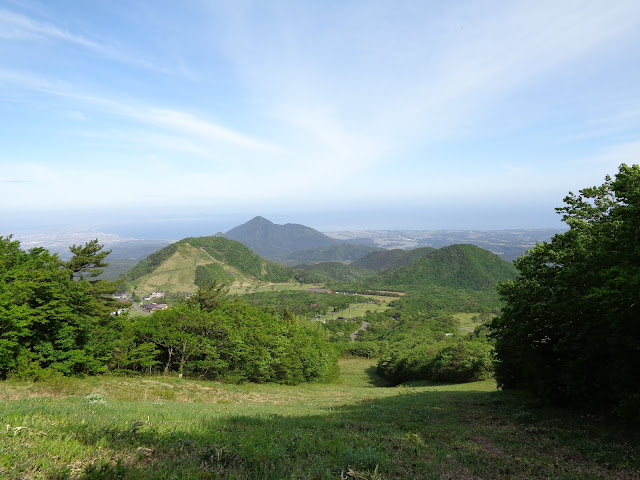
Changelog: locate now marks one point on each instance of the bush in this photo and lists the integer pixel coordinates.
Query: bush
(364, 349)
(464, 362)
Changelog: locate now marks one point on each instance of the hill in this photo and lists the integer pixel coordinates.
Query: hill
(464, 267)
(276, 242)
(183, 265)
(390, 259)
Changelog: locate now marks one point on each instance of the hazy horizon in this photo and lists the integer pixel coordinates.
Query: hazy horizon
(174, 227)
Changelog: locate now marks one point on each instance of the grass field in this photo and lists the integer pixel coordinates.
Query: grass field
(169, 428)
(467, 323)
(360, 309)
(177, 273)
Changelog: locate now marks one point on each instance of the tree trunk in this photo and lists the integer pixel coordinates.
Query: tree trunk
(183, 359)
(170, 352)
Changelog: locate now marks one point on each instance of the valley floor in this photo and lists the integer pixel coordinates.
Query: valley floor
(165, 427)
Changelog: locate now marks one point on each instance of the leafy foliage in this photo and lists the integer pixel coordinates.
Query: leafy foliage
(212, 272)
(569, 331)
(454, 266)
(48, 320)
(390, 259)
(466, 361)
(228, 339)
(87, 260)
(52, 324)
(459, 362)
(301, 302)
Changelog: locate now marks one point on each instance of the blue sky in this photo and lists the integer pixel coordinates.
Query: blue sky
(354, 114)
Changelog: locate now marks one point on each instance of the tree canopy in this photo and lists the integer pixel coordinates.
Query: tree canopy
(48, 320)
(55, 321)
(570, 327)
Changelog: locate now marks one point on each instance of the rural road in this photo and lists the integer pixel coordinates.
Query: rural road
(364, 326)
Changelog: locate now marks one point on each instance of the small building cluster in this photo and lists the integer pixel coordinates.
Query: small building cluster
(153, 295)
(121, 297)
(152, 307)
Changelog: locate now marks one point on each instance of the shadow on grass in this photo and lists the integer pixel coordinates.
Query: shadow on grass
(375, 379)
(418, 435)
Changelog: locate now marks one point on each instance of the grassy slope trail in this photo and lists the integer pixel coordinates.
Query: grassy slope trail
(163, 428)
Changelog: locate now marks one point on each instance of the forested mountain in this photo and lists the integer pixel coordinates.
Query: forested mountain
(194, 261)
(273, 241)
(389, 259)
(332, 253)
(455, 266)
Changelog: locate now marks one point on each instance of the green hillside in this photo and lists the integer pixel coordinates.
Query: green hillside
(462, 267)
(277, 241)
(182, 266)
(389, 259)
(332, 253)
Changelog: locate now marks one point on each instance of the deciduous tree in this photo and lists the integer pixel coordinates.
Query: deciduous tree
(570, 327)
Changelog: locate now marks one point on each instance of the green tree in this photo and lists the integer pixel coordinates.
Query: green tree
(48, 321)
(209, 295)
(182, 331)
(87, 260)
(570, 327)
(217, 337)
(466, 361)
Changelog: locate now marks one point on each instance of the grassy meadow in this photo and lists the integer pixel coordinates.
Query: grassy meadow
(170, 428)
(468, 321)
(359, 310)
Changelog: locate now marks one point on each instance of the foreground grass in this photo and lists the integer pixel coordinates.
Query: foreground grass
(167, 428)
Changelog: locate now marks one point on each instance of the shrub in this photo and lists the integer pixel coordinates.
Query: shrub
(464, 362)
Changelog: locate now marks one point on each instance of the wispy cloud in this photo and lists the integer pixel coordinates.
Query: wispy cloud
(352, 102)
(14, 26)
(395, 75)
(188, 122)
(17, 27)
(150, 115)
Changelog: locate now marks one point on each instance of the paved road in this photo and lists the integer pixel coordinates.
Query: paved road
(137, 307)
(364, 326)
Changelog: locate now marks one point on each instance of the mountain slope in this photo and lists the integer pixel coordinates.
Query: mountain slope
(335, 271)
(389, 259)
(274, 241)
(183, 265)
(464, 267)
(332, 253)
